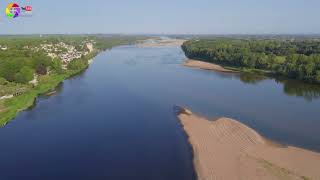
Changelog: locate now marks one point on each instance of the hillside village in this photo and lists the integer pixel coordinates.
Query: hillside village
(65, 52)
(62, 51)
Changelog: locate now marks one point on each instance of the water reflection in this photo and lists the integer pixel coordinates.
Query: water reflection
(294, 88)
(290, 87)
(250, 78)
(247, 78)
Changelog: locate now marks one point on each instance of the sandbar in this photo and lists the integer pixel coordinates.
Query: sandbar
(224, 148)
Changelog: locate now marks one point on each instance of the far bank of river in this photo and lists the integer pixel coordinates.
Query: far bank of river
(291, 87)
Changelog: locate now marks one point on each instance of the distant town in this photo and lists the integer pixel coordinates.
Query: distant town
(65, 52)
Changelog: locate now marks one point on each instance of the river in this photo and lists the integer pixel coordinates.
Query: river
(116, 120)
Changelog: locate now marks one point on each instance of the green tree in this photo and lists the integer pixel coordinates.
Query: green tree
(78, 64)
(57, 66)
(24, 75)
(295, 59)
(318, 76)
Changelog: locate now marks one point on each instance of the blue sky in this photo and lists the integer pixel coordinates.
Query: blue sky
(165, 16)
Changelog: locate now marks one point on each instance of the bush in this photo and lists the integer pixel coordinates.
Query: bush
(3, 81)
(41, 69)
(318, 76)
(78, 64)
(57, 66)
(24, 75)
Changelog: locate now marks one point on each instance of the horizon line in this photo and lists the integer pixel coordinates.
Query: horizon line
(190, 34)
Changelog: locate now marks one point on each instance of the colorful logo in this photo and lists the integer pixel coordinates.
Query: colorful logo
(27, 8)
(26, 11)
(13, 10)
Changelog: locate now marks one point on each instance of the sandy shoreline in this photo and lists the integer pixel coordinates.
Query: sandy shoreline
(158, 42)
(207, 66)
(227, 149)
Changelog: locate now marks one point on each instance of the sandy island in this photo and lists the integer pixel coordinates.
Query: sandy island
(158, 42)
(207, 66)
(227, 149)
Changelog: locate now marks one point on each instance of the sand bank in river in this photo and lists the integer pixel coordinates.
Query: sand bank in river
(205, 65)
(158, 42)
(227, 149)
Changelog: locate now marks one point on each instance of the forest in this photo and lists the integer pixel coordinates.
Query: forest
(296, 59)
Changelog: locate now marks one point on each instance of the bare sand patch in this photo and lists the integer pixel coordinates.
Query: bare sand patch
(158, 42)
(227, 149)
(206, 66)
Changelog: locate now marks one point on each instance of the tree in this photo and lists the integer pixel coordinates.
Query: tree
(41, 58)
(78, 64)
(318, 76)
(57, 66)
(41, 69)
(294, 59)
(24, 75)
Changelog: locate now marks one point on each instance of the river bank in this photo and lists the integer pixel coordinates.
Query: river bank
(201, 64)
(10, 107)
(227, 149)
(207, 66)
(259, 56)
(20, 103)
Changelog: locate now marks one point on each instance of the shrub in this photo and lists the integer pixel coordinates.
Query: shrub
(3, 81)
(24, 75)
(41, 69)
(318, 76)
(57, 66)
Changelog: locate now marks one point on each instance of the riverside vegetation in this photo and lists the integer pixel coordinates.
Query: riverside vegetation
(296, 59)
(30, 65)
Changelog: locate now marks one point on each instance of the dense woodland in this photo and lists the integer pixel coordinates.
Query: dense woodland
(17, 66)
(297, 59)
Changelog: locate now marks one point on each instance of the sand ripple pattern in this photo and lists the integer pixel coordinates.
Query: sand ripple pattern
(227, 149)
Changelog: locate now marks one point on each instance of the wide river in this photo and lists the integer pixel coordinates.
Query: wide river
(116, 120)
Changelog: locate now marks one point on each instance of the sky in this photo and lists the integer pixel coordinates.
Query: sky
(165, 17)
